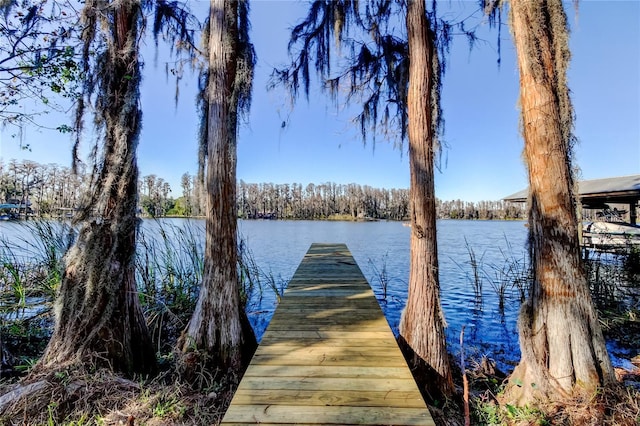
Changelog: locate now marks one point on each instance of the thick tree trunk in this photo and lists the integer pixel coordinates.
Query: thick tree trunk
(422, 324)
(98, 315)
(563, 350)
(219, 328)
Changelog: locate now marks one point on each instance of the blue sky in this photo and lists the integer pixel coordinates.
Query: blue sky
(482, 155)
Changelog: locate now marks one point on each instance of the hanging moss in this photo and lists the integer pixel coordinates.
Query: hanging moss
(376, 74)
(98, 316)
(242, 89)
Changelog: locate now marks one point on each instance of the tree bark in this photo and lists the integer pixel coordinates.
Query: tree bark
(98, 315)
(422, 323)
(219, 328)
(563, 350)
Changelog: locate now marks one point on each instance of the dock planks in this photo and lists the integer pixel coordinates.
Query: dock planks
(328, 356)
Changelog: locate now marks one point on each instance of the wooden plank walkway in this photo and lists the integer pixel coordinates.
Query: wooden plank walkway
(328, 355)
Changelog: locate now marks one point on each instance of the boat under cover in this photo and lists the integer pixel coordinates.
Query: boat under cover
(610, 235)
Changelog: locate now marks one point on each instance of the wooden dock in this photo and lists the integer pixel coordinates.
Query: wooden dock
(328, 355)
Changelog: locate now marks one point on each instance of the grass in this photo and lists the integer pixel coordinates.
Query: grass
(616, 405)
(169, 264)
(476, 274)
(255, 280)
(381, 276)
(509, 279)
(495, 414)
(31, 268)
(614, 279)
(515, 272)
(102, 398)
(31, 264)
(614, 282)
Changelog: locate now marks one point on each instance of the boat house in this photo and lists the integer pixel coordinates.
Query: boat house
(599, 194)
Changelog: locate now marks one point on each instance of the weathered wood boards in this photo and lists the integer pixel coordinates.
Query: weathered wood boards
(328, 355)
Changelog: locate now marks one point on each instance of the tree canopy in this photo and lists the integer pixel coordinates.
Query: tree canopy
(39, 72)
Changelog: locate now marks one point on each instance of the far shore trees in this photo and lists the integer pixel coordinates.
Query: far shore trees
(563, 350)
(54, 192)
(219, 333)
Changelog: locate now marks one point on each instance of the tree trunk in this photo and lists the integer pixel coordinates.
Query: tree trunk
(219, 328)
(422, 323)
(98, 315)
(563, 350)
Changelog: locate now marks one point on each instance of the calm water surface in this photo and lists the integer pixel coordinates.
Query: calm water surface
(381, 249)
(279, 246)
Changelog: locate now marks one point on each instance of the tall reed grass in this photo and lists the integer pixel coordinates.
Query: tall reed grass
(169, 264)
(32, 264)
(169, 268)
(614, 278)
(31, 268)
(381, 275)
(508, 279)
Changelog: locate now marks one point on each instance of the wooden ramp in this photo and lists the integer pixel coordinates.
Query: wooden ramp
(328, 355)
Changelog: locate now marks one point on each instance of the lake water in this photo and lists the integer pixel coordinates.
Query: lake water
(381, 249)
(279, 246)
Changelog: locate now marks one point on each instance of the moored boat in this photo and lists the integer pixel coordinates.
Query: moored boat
(610, 235)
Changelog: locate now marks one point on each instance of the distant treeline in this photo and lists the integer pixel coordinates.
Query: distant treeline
(353, 201)
(52, 190)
